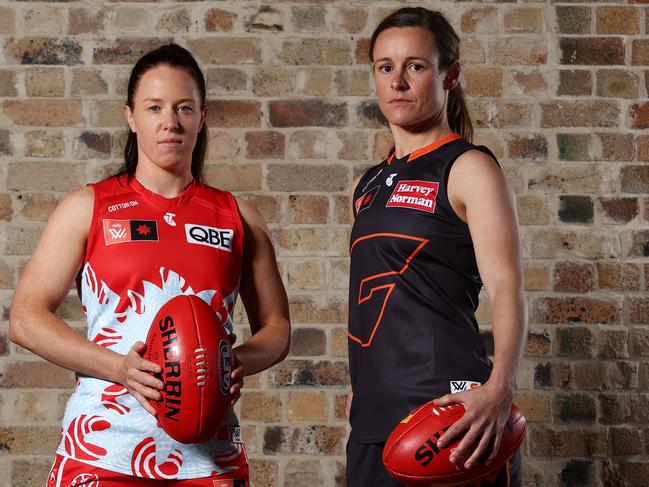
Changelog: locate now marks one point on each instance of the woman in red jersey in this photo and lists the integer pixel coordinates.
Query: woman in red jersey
(431, 224)
(134, 241)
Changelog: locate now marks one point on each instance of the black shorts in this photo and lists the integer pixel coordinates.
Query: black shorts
(365, 469)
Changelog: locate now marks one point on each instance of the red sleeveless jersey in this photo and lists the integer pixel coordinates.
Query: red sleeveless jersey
(142, 250)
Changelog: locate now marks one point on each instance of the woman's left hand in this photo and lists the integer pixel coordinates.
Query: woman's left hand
(487, 409)
(236, 376)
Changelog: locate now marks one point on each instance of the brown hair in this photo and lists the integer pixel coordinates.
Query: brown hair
(178, 57)
(447, 43)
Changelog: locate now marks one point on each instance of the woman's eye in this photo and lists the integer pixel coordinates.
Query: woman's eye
(154, 108)
(385, 68)
(416, 67)
(185, 109)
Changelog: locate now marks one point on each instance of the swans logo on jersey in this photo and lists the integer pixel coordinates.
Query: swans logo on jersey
(169, 218)
(463, 385)
(418, 195)
(219, 238)
(121, 231)
(365, 200)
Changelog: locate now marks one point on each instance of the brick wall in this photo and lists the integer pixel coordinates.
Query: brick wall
(557, 89)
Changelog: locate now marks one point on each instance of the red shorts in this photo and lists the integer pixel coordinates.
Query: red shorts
(67, 472)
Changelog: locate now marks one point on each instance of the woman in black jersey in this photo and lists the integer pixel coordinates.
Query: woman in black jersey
(432, 224)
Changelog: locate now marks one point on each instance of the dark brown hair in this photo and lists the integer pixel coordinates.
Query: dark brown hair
(447, 44)
(178, 57)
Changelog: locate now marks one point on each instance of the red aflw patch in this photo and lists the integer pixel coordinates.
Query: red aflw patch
(120, 231)
(418, 195)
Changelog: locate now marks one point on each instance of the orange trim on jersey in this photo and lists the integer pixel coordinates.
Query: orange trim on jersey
(429, 148)
(508, 473)
(389, 287)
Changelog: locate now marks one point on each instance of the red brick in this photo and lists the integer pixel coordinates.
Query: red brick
(341, 209)
(592, 50)
(528, 147)
(524, 19)
(352, 82)
(573, 19)
(471, 51)
(314, 82)
(263, 473)
(261, 406)
(303, 373)
(528, 83)
(88, 82)
(614, 408)
(308, 209)
(638, 310)
(519, 50)
(588, 244)
(483, 81)
(537, 276)
(618, 276)
(619, 210)
(511, 115)
(126, 50)
(218, 20)
(308, 342)
(309, 18)
(551, 441)
(574, 83)
(226, 81)
(264, 145)
(616, 147)
(308, 144)
(266, 19)
(107, 113)
(639, 54)
(383, 145)
(234, 177)
(533, 210)
(353, 146)
(86, 21)
(566, 179)
(361, 53)
(351, 20)
(539, 343)
(615, 83)
(44, 50)
(233, 113)
(315, 52)
(617, 20)
(482, 20)
(304, 113)
(302, 177)
(270, 206)
(176, 20)
(574, 277)
(613, 344)
(577, 310)
(37, 206)
(44, 144)
(35, 375)
(273, 81)
(226, 50)
(635, 179)
(587, 113)
(640, 114)
(7, 20)
(636, 243)
(640, 342)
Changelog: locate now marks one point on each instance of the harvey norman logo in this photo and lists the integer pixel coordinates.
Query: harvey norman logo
(418, 195)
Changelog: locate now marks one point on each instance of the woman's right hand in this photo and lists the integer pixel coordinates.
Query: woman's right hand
(136, 375)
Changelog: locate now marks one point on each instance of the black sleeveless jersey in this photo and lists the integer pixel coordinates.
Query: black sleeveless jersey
(414, 286)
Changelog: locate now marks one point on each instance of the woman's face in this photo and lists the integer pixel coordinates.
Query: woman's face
(411, 89)
(167, 117)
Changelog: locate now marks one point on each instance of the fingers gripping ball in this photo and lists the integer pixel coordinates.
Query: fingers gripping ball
(412, 456)
(188, 341)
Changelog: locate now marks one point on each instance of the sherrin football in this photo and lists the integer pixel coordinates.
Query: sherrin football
(412, 456)
(188, 341)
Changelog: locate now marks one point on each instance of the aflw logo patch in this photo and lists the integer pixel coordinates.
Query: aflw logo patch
(365, 200)
(418, 195)
(120, 231)
(463, 385)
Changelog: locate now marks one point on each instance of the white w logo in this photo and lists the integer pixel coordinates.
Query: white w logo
(117, 232)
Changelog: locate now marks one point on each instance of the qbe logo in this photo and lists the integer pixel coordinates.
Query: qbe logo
(218, 238)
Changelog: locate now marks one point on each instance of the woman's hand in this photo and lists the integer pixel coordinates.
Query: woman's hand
(236, 376)
(136, 375)
(487, 409)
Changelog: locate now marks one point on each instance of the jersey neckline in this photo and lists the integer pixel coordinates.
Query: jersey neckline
(187, 193)
(426, 149)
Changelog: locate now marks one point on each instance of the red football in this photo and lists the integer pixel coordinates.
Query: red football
(188, 341)
(411, 454)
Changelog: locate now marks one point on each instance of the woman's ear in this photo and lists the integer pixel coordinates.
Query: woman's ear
(128, 115)
(452, 76)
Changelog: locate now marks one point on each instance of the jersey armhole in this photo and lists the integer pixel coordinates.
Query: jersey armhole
(237, 213)
(90, 240)
(447, 172)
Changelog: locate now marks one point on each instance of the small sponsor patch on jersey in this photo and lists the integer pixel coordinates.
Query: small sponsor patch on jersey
(218, 238)
(365, 200)
(121, 206)
(121, 231)
(418, 195)
(463, 385)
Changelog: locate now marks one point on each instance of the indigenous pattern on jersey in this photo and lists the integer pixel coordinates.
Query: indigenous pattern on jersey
(143, 250)
(414, 286)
